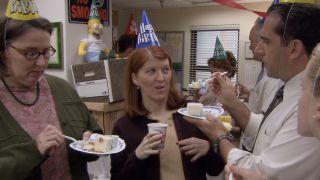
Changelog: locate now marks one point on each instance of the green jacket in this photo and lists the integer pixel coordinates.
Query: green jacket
(19, 156)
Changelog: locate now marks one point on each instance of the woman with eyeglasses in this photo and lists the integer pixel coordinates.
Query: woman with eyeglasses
(36, 109)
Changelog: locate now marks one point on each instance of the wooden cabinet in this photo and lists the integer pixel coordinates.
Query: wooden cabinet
(106, 113)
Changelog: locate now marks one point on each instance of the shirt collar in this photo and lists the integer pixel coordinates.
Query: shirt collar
(294, 85)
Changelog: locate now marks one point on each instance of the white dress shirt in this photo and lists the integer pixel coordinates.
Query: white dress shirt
(280, 152)
(262, 94)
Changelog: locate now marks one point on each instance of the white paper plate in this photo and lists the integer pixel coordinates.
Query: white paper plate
(214, 110)
(118, 146)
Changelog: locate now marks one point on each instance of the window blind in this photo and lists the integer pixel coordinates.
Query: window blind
(202, 48)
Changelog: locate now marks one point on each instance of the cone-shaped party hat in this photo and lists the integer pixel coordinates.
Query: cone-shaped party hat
(22, 10)
(219, 53)
(147, 36)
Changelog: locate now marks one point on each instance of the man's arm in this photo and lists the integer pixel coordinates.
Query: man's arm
(213, 129)
(224, 91)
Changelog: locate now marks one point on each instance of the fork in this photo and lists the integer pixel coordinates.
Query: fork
(69, 138)
(231, 177)
(205, 81)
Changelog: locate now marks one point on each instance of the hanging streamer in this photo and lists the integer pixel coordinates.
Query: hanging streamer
(232, 4)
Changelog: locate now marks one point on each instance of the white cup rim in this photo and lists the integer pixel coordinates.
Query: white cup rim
(158, 125)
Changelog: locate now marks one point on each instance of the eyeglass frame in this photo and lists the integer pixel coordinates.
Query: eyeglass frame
(25, 52)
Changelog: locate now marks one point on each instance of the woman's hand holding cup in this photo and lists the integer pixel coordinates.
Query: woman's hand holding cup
(148, 145)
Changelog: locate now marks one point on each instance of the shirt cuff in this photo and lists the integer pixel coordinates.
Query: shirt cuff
(235, 155)
(253, 125)
(249, 135)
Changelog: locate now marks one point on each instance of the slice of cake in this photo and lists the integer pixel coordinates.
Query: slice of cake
(99, 143)
(195, 85)
(194, 109)
(88, 145)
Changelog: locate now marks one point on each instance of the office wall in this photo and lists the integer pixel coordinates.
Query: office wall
(2, 8)
(183, 19)
(56, 11)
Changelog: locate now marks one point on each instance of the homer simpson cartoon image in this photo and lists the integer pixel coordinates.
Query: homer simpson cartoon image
(92, 48)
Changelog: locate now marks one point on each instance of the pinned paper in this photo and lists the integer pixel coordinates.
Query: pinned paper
(147, 36)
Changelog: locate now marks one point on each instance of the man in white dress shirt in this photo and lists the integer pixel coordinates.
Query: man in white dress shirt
(266, 87)
(289, 34)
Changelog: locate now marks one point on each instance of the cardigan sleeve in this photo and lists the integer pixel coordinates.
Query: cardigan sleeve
(213, 162)
(74, 117)
(125, 164)
(19, 160)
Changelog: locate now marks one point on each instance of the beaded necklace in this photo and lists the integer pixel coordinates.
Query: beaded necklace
(17, 99)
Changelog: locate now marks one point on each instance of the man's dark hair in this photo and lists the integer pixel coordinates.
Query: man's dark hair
(298, 21)
(127, 41)
(259, 23)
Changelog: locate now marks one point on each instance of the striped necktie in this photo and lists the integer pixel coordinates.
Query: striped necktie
(274, 103)
(260, 75)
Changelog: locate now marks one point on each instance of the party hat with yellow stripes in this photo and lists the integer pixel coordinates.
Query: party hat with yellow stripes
(22, 10)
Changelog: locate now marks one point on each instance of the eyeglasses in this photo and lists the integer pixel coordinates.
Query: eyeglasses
(33, 54)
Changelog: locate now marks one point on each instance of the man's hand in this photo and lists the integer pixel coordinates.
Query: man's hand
(211, 127)
(222, 88)
(244, 92)
(224, 91)
(240, 173)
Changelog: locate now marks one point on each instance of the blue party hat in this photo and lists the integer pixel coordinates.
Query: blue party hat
(147, 36)
(219, 53)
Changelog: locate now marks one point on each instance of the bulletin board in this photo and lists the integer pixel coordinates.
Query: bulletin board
(56, 61)
(173, 43)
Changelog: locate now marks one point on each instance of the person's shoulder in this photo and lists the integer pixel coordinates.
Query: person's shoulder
(123, 120)
(126, 120)
(55, 79)
(127, 123)
(57, 82)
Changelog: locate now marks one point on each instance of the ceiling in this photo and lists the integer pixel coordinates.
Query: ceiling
(156, 4)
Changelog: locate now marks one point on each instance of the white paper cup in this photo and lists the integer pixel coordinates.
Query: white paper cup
(158, 128)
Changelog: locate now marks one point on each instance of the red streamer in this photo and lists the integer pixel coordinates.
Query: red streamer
(232, 4)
